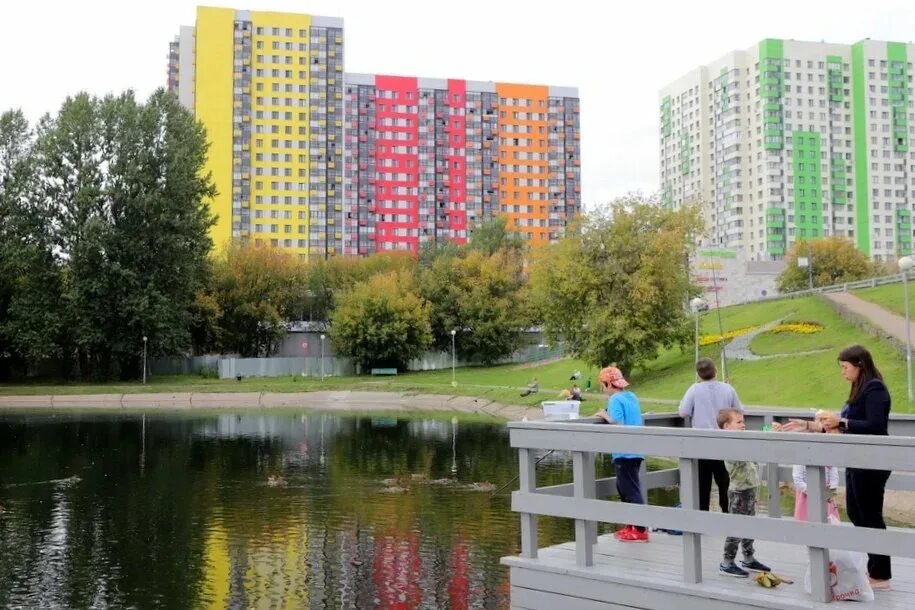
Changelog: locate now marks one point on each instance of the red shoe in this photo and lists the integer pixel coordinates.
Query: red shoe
(622, 534)
(634, 535)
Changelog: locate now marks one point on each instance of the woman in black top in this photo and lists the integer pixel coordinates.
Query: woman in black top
(867, 412)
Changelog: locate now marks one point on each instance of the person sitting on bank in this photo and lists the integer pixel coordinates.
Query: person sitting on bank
(623, 409)
(744, 479)
(575, 393)
(532, 388)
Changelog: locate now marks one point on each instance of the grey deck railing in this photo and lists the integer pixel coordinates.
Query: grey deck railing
(756, 419)
(580, 501)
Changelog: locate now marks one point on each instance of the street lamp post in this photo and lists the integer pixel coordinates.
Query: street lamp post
(322, 357)
(696, 305)
(144, 359)
(453, 380)
(905, 264)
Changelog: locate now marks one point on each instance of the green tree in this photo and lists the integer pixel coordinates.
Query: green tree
(835, 260)
(327, 278)
(31, 323)
(480, 296)
(493, 236)
(254, 291)
(116, 216)
(381, 322)
(614, 287)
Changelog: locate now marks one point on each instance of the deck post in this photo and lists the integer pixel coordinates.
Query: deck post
(775, 509)
(692, 542)
(528, 484)
(820, 587)
(584, 488)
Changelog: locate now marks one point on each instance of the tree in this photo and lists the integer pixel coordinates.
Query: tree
(492, 236)
(480, 296)
(835, 260)
(325, 279)
(30, 320)
(254, 291)
(381, 322)
(614, 287)
(116, 221)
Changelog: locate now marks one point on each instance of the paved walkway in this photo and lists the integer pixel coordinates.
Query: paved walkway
(890, 323)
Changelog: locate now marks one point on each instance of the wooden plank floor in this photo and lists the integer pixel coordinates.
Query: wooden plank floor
(658, 564)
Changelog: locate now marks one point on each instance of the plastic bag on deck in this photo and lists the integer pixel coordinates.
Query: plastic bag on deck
(847, 576)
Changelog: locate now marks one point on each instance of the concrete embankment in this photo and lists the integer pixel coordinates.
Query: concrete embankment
(321, 401)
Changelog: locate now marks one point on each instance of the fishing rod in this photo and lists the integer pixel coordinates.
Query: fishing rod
(540, 459)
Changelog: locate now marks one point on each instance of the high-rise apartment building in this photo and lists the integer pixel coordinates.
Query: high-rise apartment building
(793, 140)
(268, 87)
(429, 159)
(425, 159)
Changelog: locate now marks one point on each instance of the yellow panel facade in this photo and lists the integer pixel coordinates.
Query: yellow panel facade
(279, 163)
(213, 107)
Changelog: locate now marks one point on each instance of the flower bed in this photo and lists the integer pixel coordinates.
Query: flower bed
(790, 326)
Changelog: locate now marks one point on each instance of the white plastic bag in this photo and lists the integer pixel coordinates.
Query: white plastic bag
(848, 577)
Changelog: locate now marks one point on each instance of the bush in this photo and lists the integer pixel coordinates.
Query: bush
(209, 372)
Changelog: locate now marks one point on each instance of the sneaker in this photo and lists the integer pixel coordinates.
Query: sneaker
(634, 535)
(620, 534)
(731, 569)
(754, 566)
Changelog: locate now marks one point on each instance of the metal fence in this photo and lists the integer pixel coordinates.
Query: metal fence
(844, 287)
(230, 367)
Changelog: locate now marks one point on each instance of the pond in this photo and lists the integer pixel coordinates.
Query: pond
(254, 510)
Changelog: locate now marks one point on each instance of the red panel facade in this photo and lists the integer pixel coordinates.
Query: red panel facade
(456, 211)
(396, 163)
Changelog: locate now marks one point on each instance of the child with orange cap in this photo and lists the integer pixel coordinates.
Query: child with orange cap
(623, 409)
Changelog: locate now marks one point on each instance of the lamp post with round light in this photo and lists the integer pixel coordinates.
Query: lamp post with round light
(697, 305)
(905, 264)
(453, 358)
(144, 359)
(322, 356)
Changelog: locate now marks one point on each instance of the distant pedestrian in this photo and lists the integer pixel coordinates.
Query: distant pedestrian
(623, 409)
(702, 402)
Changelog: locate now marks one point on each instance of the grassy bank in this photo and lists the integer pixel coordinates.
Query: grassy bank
(888, 296)
(792, 377)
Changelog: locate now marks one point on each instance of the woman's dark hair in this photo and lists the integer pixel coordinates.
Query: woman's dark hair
(858, 356)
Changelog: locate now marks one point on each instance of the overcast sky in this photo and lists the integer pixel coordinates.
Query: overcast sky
(618, 54)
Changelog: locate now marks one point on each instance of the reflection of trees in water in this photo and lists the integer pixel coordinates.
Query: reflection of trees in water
(197, 525)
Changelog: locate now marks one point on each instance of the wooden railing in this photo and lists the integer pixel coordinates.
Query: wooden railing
(580, 500)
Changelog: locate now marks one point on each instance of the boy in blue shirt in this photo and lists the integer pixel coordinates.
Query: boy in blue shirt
(623, 409)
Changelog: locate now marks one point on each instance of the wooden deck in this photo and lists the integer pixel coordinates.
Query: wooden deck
(626, 575)
(682, 572)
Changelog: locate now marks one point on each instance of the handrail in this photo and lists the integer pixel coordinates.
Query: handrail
(872, 282)
(816, 451)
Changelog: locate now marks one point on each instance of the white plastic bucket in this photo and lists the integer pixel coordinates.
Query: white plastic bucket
(560, 409)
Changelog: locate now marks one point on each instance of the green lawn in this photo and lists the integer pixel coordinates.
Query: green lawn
(888, 296)
(810, 380)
